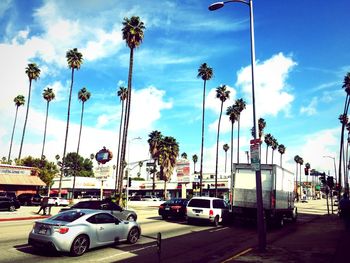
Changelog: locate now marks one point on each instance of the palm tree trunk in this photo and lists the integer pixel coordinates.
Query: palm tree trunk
(281, 160)
(81, 125)
(300, 179)
(346, 106)
(238, 132)
(267, 152)
(25, 121)
(217, 152)
(202, 143)
(231, 147)
(66, 136)
(225, 160)
(272, 156)
(164, 194)
(13, 132)
(296, 181)
(117, 179)
(47, 113)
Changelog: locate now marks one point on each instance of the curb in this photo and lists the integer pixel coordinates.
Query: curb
(23, 218)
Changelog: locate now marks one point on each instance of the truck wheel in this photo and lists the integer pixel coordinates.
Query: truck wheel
(216, 221)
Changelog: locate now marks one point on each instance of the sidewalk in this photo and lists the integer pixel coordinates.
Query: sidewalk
(26, 213)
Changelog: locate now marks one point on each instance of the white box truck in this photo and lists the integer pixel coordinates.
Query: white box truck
(277, 193)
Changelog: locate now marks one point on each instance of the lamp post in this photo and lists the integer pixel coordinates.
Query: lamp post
(259, 201)
(335, 167)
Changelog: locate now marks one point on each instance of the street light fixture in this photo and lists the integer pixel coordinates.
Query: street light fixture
(259, 201)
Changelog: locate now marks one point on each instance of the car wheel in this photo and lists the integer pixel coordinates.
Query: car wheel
(12, 208)
(79, 246)
(216, 221)
(131, 218)
(295, 214)
(133, 235)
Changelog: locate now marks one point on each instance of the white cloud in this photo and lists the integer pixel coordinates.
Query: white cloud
(310, 109)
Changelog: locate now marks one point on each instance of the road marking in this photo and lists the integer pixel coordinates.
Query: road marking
(126, 252)
(219, 229)
(237, 255)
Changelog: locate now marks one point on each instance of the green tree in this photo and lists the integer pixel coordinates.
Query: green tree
(225, 147)
(133, 35)
(123, 94)
(195, 160)
(48, 95)
(74, 60)
(268, 142)
(274, 146)
(184, 155)
(232, 112)
(33, 73)
(240, 106)
(281, 150)
(19, 101)
(205, 73)
(222, 94)
(77, 165)
(83, 96)
(154, 140)
(261, 128)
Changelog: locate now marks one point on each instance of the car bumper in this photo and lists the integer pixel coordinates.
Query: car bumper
(50, 242)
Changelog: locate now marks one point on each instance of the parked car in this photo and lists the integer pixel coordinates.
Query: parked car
(105, 205)
(59, 201)
(78, 230)
(9, 204)
(11, 195)
(210, 209)
(150, 198)
(29, 199)
(135, 198)
(175, 207)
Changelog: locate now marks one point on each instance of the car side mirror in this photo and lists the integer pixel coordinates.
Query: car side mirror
(117, 222)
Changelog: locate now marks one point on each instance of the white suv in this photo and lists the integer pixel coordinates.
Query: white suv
(211, 209)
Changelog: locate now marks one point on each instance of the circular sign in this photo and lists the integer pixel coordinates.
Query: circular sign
(104, 155)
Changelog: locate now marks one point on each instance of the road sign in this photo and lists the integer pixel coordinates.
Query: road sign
(255, 154)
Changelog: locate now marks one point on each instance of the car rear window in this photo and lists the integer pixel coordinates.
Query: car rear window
(199, 203)
(68, 216)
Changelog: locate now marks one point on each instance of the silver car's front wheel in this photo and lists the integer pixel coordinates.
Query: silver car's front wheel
(134, 235)
(80, 245)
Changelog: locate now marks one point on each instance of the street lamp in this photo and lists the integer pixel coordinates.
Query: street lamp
(335, 167)
(259, 201)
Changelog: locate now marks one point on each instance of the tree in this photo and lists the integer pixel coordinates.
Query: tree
(268, 141)
(225, 147)
(222, 94)
(48, 95)
(240, 105)
(123, 94)
(232, 112)
(83, 96)
(154, 141)
(274, 146)
(296, 160)
(19, 101)
(261, 128)
(74, 60)
(77, 165)
(33, 73)
(300, 162)
(184, 155)
(205, 73)
(195, 160)
(168, 152)
(133, 35)
(281, 150)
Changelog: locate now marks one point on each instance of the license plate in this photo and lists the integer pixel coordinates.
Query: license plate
(197, 211)
(167, 208)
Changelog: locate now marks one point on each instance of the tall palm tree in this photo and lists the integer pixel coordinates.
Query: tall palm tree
(19, 101)
(168, 152)
(48, 95)
(241, 104)
(261, 128)
(74, 60)
(346, 86)
(296, 160)
(205, 73)
(133, 35)
(123, 94)
(195, 160)
(83, 96)
(184, 155)
(281, 150)
(33, 73)
(225, 147)
(232, 112)
(222, 94)
(301, 162)
(154, 141)
(343, 118)
(268, 141)
(274, 146)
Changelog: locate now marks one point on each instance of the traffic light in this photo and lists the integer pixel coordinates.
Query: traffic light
(330, 181)
(323, 178)
(129, 182)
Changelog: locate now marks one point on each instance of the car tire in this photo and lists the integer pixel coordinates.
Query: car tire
(79, 246)
(134, 235)
(216, 221)
(131, 218)
(12, 208)
(294, 214)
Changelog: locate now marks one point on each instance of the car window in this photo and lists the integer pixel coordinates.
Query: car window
(102, 218)
(199, 203)
(68, 216)
(219, 204)
(88, 205)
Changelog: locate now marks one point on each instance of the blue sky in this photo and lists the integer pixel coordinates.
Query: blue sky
(301, 52)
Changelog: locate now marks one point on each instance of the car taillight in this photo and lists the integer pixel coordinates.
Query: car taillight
(161, 206)
(176, 207)
(211, 212)
(62, 230)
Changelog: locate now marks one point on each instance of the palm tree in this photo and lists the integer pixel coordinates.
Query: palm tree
(222, 94)
(261, 127)
(205, 73)
(123, 94)
(74, 60)
(301, 162)
(133, 36)
(241, 104)
(19, 101)
(343, 118)
(274, 146)
(83, 95)
(140, 166)
(296, 160)
(268, 141)
(281, 150)
(225, 147)
(48, 95)
(33, 73)
(168, 152)
(154, 141)
(232, 112)
(195, 160)
(184, 155)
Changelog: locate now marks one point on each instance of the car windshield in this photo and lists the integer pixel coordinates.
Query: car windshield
(68, 216)
(199, 203)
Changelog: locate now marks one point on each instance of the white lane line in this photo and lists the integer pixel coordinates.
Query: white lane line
(126, 252)
(219, 229)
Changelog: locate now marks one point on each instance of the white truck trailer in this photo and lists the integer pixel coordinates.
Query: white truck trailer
(277, 193)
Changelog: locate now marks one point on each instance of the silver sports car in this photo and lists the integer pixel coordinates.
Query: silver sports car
(78, 230)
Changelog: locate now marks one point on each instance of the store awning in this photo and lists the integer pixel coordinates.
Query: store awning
(63, 191)
(20, 179)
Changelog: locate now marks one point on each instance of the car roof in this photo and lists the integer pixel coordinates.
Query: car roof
(206, 198)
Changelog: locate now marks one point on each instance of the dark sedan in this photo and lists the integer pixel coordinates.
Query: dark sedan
(9, 204)
(175, 207)
(105, 205)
